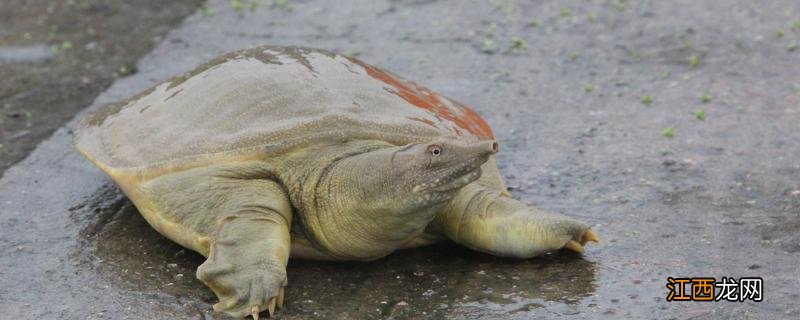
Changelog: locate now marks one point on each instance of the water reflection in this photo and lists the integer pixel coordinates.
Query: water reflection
(434, 282)
(443, 281)
(134, 256)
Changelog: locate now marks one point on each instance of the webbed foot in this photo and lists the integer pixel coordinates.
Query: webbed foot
(529, 232)
(244, 289)
(487, 220)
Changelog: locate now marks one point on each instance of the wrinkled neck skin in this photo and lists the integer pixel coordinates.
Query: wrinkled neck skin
(364, 199)
(361, 200)
(363, 211)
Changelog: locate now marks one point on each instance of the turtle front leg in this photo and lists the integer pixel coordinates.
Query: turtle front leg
(484, 217)
(246, 267)
(241, 224)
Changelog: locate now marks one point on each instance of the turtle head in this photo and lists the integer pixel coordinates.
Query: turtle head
(370, 203)
(430, 173)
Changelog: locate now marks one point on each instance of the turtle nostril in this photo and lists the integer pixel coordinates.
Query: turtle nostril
(495, 147)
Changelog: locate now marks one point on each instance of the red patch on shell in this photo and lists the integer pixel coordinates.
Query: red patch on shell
(424, 98)
(425, 121)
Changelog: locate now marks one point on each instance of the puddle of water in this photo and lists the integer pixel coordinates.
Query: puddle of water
(31, 53)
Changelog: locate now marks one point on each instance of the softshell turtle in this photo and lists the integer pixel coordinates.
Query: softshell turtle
(275, 152)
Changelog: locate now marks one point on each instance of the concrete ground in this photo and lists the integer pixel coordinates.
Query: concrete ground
(670, 126)
(57, 56)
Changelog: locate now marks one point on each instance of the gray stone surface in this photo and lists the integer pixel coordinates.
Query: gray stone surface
(719, 198)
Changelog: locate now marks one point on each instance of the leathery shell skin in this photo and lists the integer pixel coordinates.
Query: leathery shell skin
(260, 102)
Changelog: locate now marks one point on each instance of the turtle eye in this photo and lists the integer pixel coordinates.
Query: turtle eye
(435, 150)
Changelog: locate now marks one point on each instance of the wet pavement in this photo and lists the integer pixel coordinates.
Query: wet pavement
(57, 56)
(672, 128)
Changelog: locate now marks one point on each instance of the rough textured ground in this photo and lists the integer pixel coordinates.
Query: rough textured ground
(57, 56)
(568, 99)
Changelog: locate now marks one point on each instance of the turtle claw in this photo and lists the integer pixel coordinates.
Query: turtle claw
(271, 306)
(255, 310)
(573, 245)
(280, 297)
(273, 303)
(588, 236)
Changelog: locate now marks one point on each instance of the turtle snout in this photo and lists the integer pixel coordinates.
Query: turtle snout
(478, 153)
(492, 146)
(486, 148)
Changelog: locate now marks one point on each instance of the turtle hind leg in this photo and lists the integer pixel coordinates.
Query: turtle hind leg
(484, 217)
(240, 224)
